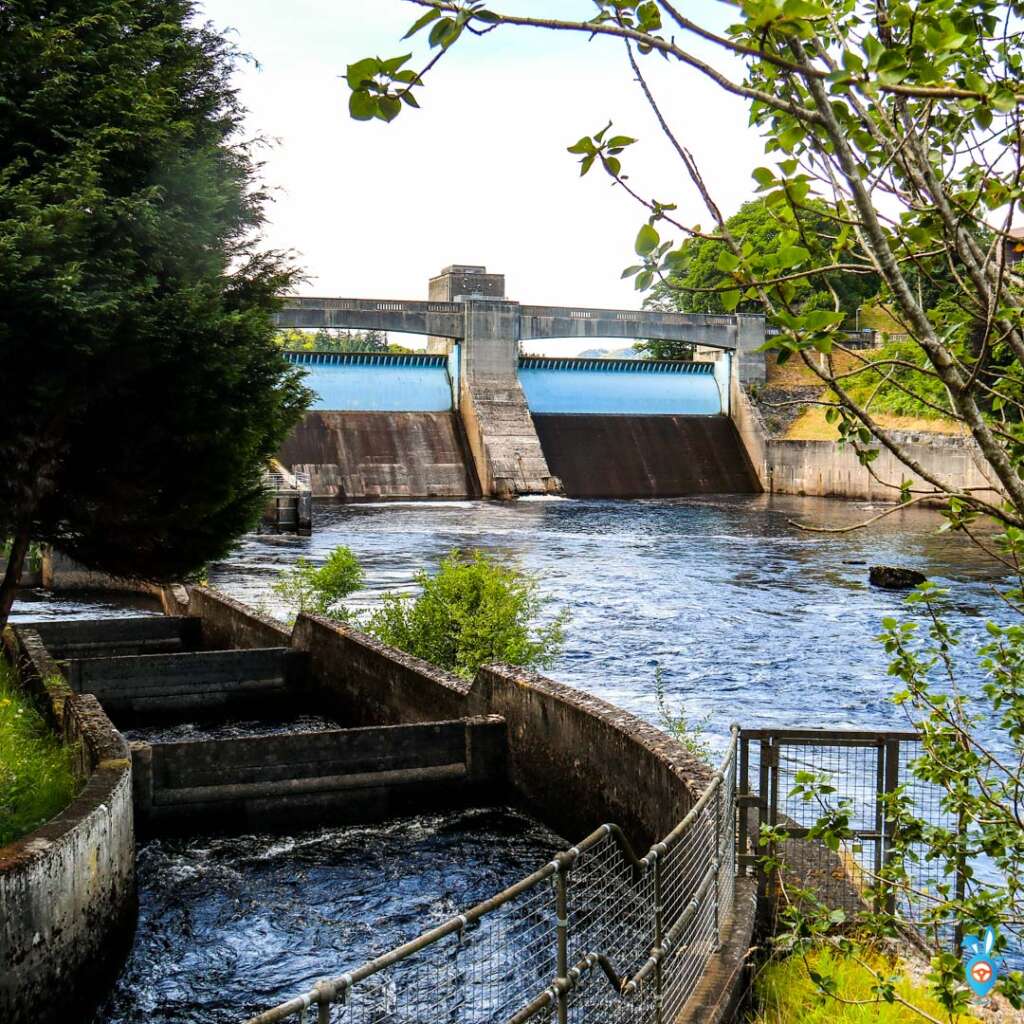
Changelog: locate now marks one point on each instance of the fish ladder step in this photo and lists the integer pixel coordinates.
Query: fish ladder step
(65, 639)
(322, 784)
(191, 673)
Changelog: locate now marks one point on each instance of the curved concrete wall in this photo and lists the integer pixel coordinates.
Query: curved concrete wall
(573, 760)
(67, 890)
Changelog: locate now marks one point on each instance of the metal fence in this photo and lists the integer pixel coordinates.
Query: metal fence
(597, 935)
(864, 767)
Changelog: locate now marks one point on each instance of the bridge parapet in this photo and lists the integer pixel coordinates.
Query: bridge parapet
(511, 319)
(712, 331)
(443, 319)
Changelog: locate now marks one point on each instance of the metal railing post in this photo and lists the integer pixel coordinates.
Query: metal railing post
(562, 932)
(659, 937)
(744, 790)
(325, 994)
(890, 784)
(717, 894)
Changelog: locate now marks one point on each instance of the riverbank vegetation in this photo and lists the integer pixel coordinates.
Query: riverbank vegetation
(321, 590)
(37, 776)
(864, 986)
(473, 611)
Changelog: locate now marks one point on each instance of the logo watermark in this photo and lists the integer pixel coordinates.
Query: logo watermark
(981, 967)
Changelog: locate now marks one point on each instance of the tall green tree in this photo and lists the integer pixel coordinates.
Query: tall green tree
(694, 282)
(142, 389)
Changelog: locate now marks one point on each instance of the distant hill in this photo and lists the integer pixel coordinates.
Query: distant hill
(604, 353)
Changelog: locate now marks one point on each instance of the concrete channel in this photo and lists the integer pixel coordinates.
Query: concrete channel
(399, 737)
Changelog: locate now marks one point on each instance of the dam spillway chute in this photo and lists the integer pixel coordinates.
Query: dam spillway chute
(627, 428)
(383, 427)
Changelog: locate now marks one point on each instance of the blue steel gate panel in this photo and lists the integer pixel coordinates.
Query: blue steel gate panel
(620, 387)
(376, 382)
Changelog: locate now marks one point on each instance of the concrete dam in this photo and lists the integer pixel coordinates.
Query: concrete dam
(472, 417)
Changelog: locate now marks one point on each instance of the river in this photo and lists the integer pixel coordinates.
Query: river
(745, 617)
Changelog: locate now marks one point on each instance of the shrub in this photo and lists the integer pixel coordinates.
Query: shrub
(323, 590)
(37, 777)
(474, 611)
(691, 734)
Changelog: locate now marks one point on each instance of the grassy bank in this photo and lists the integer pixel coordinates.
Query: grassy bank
(37, 778)
(785, 993)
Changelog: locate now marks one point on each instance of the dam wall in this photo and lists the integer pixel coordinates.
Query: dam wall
(607, 456)
(475, 372)
(67, 889)
(381, 456)
(382, 427)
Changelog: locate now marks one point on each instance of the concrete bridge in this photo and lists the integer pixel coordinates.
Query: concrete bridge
(473, 416)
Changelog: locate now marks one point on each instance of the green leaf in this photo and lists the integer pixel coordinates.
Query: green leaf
(763, 176)
(362, 106)
(727, 261)
(647, 240)
(730, 300)
(421, 22)
(388, 108)
(360, 72)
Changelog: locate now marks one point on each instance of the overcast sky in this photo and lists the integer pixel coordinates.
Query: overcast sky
(480, 174)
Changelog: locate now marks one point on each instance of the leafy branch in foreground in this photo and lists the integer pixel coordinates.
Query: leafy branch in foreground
(898, 127)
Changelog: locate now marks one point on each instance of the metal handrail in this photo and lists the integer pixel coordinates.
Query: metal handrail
(331, 990)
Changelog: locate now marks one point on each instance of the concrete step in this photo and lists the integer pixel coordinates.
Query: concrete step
(107, 638)
(338, 775)
(191, 684)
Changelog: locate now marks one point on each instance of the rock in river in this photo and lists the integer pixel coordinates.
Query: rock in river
(895, 577)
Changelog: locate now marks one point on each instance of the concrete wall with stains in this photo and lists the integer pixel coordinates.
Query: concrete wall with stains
(67, 890)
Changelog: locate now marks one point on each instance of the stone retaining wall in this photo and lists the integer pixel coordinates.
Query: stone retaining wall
(823, 469)
(67, 890)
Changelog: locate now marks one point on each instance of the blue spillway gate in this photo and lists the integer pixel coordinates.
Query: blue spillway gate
(622, 387)
(376, 381)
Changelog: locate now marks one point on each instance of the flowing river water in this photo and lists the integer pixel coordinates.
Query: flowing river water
(743, 616)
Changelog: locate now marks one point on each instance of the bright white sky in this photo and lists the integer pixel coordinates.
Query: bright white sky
(480, 174)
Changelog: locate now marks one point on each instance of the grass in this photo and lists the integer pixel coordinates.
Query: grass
(811, 425)
(785, 993)
(37, 776)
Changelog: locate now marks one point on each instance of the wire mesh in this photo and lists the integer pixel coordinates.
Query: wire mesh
(618, 913)
(863, 768)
